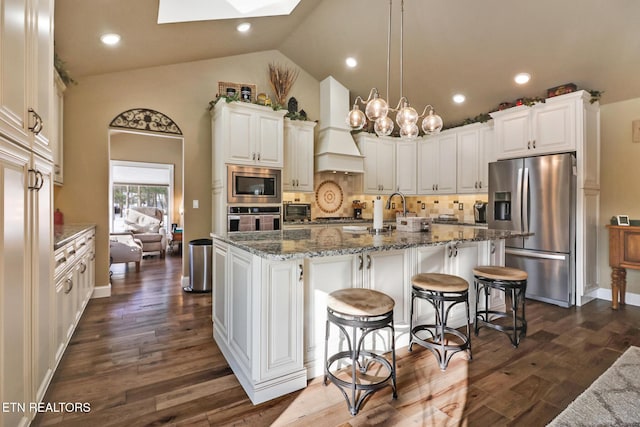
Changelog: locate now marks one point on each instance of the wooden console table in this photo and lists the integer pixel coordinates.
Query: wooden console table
(624, 252)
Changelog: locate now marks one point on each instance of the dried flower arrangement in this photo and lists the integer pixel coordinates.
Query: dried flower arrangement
(282, 79)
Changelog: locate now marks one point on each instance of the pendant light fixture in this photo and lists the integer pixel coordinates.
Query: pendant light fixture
(377, 109)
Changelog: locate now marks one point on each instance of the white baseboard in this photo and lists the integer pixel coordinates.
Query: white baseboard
(630, 298)
(101, 291)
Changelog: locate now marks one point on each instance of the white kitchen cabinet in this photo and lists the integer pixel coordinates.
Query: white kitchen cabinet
(248, 134)
(297, 174)
(26, 70)
(43, 361)
(544, 128)
(57, 124)
(437, 164)
(475, 147)
(261, 316)
(323, 275)
(407, 166)
(15, 262)
(379, 163)
(386, 271)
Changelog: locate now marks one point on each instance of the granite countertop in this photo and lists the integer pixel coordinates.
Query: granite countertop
(333, 240)
(63, 234)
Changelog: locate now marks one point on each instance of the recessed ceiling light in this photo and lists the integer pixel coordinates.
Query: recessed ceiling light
(244, 27)
(351, 62)
(110, 39)
(459, 98)
(522, 78)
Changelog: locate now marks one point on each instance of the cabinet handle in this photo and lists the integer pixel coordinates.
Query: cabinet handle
(534, 143)
(528, 145)
(37, 125)
(258, 156)
(301, 273)
(493, 247)
(93, 256)
(253, 156)
(476, 184)
(436, 187)
(368, 262)
(69, 286)
(450, 250)
(455, 247)
(480, 184)
(61, 261)
(361, 262)
(83, 267)
(72, 252)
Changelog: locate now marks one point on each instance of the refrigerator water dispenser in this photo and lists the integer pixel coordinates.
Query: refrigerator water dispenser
(502, 206)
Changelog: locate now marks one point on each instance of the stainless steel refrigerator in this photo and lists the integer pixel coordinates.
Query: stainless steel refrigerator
(538, 194)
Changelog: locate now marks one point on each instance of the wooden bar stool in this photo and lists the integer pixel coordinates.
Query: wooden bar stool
(443, 292)
(512, 282)
(364, 311)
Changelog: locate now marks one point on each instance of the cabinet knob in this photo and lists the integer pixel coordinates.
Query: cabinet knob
(534, 143)
(528, 145)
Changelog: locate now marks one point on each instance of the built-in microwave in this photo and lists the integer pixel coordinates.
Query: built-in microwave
(247, 184)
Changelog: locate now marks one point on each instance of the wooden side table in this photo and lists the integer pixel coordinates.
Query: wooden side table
(176, 238)
(624, 252)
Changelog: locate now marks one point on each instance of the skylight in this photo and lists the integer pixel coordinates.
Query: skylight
(170, 11)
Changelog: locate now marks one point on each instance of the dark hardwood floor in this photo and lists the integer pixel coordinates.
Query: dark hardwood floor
(146, 357)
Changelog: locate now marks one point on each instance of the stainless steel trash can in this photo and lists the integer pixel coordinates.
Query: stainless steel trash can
(199, 266)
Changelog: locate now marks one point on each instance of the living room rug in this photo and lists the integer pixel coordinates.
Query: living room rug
(612, 400)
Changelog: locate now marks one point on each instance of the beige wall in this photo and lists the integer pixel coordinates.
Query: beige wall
(182, 92)
(139, 147)
(620, 179)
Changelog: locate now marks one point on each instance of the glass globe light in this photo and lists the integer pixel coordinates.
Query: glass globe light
(410, 131)
(432, 123)
(406, 116)
(356, 118)
(376, 108)
(383, 126)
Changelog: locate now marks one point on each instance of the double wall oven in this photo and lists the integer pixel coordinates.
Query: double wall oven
(253, 198)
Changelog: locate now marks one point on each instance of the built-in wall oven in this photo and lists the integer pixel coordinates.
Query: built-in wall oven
(247, 184)
(253, 218)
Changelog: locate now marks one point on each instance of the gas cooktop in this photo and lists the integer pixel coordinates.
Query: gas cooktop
(338, 219)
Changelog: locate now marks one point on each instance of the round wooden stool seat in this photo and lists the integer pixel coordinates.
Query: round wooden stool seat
(438, 282)
(360, 302)
(500, 273)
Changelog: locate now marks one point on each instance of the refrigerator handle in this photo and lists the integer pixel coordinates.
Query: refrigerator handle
(525, 201)
(519, 200)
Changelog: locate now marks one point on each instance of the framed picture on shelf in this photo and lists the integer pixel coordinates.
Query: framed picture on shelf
(623, 219)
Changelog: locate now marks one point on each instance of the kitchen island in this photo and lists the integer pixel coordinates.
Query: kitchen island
(270, 289)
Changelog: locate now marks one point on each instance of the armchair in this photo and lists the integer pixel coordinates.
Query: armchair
(123, 247)
(145, 223)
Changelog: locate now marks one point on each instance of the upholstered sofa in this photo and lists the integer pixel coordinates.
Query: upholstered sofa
(123, 247)
(146, 225)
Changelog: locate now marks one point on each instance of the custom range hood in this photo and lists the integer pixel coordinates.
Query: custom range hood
(336, 151)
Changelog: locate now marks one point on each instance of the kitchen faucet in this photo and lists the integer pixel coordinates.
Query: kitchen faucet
(404, 202)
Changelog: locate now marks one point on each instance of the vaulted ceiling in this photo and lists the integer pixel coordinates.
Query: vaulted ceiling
(471, 47)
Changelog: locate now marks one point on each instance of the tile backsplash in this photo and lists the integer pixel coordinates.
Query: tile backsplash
(351, 190)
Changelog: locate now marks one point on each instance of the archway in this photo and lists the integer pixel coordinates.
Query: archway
(148, 137)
